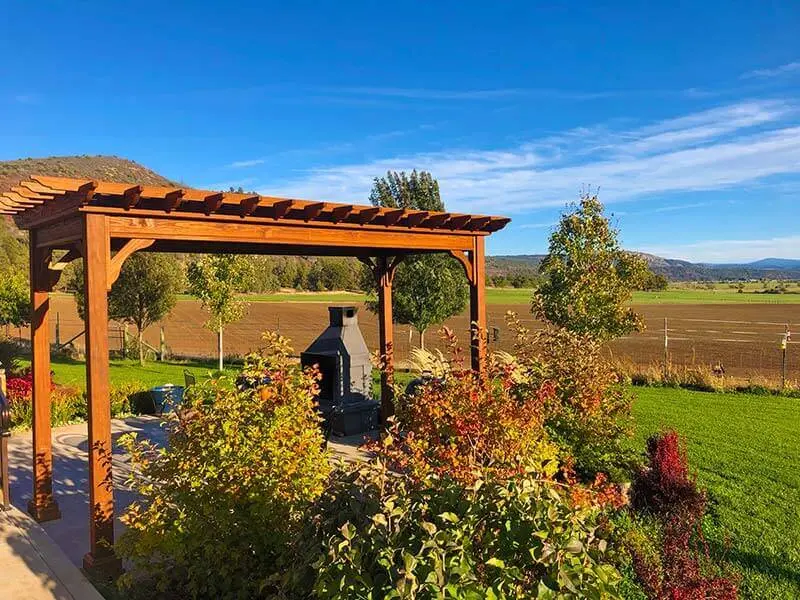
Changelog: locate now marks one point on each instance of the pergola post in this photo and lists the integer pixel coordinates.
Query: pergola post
(96, 253)
(477, 305)
(384, 273)
(42, 506)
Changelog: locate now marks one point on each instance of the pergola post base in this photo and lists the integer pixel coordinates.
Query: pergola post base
(106, 566)
(47, 512)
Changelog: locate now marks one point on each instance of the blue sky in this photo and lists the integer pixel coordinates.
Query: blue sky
(687, 119)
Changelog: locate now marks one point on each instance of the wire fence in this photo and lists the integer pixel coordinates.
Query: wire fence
(742, 347)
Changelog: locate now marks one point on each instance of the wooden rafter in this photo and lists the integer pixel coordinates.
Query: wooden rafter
(173, 200)
(131, 196)
(30, 195)
(340, 213)
(365, 215)
(313, 210)
(248, 205)
(392, 217)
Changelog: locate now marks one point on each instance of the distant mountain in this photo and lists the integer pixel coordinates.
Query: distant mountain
(672, 269)
(776, 263)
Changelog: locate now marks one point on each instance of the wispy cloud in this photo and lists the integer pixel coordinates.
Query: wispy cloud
(241, 164)
(731, 250)
(788, 68)
(727, 146)
(536, 225)
(469, 94)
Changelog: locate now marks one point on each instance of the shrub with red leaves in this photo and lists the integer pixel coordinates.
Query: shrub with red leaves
(665, 487)
(683, 568)
(19, 388)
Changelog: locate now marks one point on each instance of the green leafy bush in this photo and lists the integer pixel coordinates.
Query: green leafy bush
(377, 535)
(218, 507)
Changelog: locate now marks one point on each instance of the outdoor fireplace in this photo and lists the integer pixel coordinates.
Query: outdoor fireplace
(342, 357)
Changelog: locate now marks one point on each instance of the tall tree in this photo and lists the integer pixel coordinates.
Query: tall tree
(587, 279)
(217, 281)
(428, 288)
(144, 293)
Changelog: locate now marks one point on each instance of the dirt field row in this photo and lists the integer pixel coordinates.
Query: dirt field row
(744, 338)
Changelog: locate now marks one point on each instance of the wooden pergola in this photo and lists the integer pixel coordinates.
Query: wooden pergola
(104, 223)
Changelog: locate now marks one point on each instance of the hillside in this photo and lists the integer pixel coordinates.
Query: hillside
(672, 269)
(110, 168)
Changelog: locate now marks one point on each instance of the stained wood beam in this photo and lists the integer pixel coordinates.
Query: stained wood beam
(248, 205)
(414, 219)
(173, 200)
(458, 221)
(100, 560)
(340, 213)
(116, 261)
(365, 215)
(435, 220)
(391, 217)
(16, 197)
(465, 261)
(213, 202)
(313, 210)
(478, 223)
(351, 236)
(131, 197)
(280, 208)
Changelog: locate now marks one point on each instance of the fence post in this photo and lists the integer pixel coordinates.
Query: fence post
(162, 346)
(58, 330)
(666, 346)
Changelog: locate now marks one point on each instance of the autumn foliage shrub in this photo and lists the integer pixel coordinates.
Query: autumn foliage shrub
(588, 412)
(680, 567)
(455, 425)
(218, 506)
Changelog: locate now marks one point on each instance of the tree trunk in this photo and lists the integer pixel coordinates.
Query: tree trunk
(422, 339)
(219, 346)
(140, 337)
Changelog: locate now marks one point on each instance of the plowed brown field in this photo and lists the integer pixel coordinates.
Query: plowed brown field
(745, 338)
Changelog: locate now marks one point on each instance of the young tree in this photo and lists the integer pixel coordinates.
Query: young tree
(428, 288)
(587, 278)
(15, 298)
(144, 293)
(216, 281)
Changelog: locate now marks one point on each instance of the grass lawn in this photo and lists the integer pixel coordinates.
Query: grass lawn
(73, 373)
(746, 450)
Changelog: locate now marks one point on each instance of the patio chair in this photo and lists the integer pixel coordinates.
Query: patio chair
(189, 378)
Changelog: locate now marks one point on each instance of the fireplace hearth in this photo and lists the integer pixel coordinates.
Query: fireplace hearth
(342, 356)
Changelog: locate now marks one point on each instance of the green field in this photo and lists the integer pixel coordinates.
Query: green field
(746, 450)
(523, 297)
